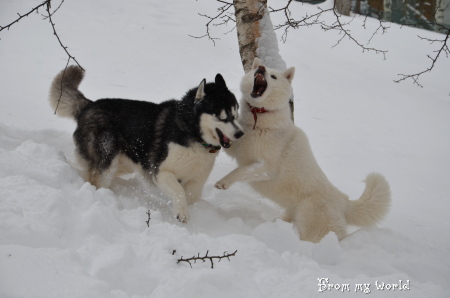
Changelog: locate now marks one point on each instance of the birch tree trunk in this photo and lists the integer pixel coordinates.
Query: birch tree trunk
(343, 6)
(256, 37)
(248, 13)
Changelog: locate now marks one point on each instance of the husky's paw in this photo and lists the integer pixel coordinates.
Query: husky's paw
(180, 210)
(182, 216)
(223, 184)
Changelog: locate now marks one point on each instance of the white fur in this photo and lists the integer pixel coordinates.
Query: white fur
(200, 91)
(64, 89)
(182, 175)
(277, 161)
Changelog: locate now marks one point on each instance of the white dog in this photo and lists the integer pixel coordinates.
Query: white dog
(274, 156)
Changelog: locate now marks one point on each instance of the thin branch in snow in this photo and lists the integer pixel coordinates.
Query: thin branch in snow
(148, 220)
(206, 257)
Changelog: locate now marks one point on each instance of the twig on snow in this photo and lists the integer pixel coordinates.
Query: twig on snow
(148, 220)
(206, 257)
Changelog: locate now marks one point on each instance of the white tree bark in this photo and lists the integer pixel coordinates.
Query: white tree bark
(248, 13)
(343, 6)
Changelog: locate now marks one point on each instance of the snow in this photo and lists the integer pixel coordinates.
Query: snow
(59, 237)
(268, 50)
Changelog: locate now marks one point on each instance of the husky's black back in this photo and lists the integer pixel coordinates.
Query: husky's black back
(142, 130)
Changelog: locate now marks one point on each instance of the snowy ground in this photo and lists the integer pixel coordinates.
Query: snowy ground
(59, 237)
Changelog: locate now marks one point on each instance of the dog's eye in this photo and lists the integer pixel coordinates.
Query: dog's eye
(273, 77)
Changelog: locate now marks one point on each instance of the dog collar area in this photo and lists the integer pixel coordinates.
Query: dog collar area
(255, 111)
(213, 149)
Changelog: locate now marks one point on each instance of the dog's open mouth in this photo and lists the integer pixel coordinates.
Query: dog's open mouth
(259, 84)
(223, 139)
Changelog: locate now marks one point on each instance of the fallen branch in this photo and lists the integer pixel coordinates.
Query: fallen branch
(206, 257)
(148, 221)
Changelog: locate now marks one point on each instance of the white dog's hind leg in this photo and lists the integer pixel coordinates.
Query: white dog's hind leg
(168, 183)
(257, 171)
(289, 215)
(314, 221)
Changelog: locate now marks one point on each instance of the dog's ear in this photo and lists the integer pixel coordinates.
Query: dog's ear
(200, 95)
(220, 80)
(289, 74)
(256, 63)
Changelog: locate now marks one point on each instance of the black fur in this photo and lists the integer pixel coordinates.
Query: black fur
(142, 130)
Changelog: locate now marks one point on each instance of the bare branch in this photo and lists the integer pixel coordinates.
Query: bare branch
(220, 15)
(206, 257)
(314, 19)
(49, 16)
(47, 2)
(59, 6)
(444, 49)
(341, 27)
(61, 87)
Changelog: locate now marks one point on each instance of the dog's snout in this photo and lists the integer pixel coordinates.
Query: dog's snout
(262, 68)
(238, 134)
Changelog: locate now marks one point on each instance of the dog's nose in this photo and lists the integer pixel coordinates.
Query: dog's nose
(261, 67)
(238, 134)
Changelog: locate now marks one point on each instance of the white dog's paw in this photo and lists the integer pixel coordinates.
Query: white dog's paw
(223, 184)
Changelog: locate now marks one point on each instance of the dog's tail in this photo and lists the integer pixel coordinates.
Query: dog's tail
(65, 98)
(373, 204)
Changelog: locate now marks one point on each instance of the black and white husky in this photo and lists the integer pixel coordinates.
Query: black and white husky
(173, 143)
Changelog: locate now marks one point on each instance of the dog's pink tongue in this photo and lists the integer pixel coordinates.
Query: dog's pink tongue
(225, 139)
